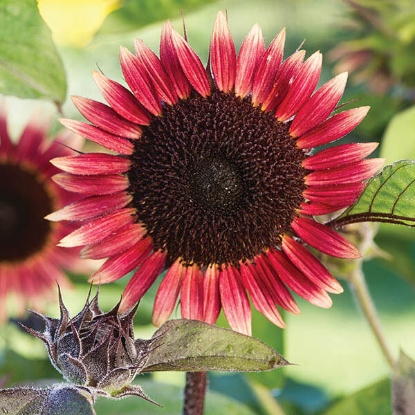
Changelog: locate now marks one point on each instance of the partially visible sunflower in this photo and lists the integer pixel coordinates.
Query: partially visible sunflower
(30, 261)
(214, 178)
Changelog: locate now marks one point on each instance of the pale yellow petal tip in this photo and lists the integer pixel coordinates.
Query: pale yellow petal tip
(75, 22)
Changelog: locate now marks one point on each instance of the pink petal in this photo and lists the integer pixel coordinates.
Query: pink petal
(32, 137)
(332, 129)
(100, 228)
(91, 207)
(287, 72)
(355, 172)
(250, 53)
(119, 265)
(5, 142)
(92, 185)
(115, 243)
(297, 281)
(92, 164)
(190, 64)
(167, 294)
(259, 294)
(121, 99)
(235, 301)
(339, 155)
(324, 239)
(315, 209)
(110, 141)
(211, 295)
(223, 55)
(155, 72)
(191, 296)
(171, 63)
(310, 266)
(301, 88)
(267, 68)
(276, 288)
(319, 106)
(142, 280)
(106, 118)
(139, 82)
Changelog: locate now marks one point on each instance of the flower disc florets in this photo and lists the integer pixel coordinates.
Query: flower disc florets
(95, 349)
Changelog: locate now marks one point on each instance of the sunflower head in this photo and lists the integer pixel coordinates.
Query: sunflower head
(215, 178)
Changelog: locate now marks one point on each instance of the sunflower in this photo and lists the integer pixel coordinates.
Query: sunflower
(30, 261)
(212, 177)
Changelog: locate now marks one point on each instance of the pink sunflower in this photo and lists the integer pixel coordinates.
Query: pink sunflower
(30, 261)
(214, 179)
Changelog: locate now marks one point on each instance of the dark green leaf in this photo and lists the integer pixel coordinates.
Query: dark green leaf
(388, 197)
(403, 386)
(30, 66)
(374, 400)
(190, 345)
(22, 401)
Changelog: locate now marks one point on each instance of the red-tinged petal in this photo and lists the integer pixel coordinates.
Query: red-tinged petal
(139, 82)
(235, 302)
(211, 295)
(259, 294)
(5, 142)
(339, 155)
(333, 194)
(91, 207)
(155, 72)
(100, 228)
(301, 88)
(142, 280)
(115, 243)
(288, 71)
(267, 68)
(167, 294)
(355, 172)
(222, 55)
(250, 53)
(191, 295)
(171, 63)
(315, 209)
(110, 141)
(324, 239)
(31, 137)
(275, 286)
(190, 64)
(92, 164)
(297, 281)
(106, 118)
(121, 99)
(319, 106)
(310, 266)
(119, 265)
(92, 185)
(332, 129)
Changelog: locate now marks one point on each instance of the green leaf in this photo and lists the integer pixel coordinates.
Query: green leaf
(30, 66)
(190, 345)
(403, 386)
(374, 400)
(399, 140)
(388, 197)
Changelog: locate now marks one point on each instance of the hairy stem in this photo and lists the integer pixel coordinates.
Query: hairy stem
(362, 294)
(194, 393)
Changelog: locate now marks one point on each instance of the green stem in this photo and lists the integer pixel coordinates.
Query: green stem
(194, 393)
(362, 294)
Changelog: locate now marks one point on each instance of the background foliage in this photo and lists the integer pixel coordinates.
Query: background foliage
(340, 369)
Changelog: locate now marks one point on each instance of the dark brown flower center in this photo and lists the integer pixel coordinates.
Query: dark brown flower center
(216, 180)
(24, 202)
